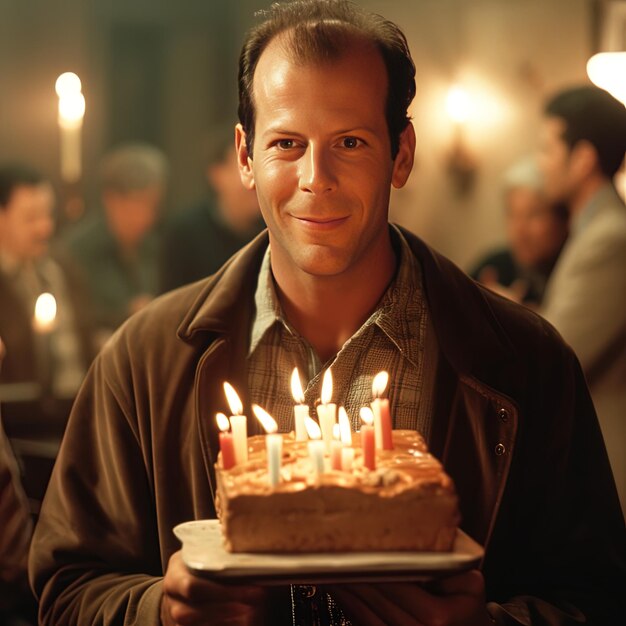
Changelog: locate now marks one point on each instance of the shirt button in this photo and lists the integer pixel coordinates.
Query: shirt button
(500, 449)
(504, 415)
(308, 591)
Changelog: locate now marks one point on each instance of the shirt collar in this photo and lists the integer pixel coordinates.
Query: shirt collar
(392, 315)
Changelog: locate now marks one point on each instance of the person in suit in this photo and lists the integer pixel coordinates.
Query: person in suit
(583, 145)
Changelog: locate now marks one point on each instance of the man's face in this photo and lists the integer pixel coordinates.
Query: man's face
(322, 164)
(27, 222)
(555, 161)
(534, 230)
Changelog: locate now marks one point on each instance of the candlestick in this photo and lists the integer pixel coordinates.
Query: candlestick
(300, 410)
(315, 446)
(238, 424)
(344, 427)
(335, 449)
(273, 444)
(382, 416)
(227, 446)
(347, 458)
(327, 411)
(367, 438)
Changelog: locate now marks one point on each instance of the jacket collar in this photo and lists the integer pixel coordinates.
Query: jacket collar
(470, 342)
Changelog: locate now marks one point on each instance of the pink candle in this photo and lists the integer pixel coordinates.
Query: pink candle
(227, 446)
(335, 450)
(367, 439)
(385, 423)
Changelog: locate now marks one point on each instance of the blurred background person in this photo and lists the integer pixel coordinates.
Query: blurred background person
(536, 230)
(17, 603)
(198, 240)
(55, 353)
(583, 145)
(118, 247)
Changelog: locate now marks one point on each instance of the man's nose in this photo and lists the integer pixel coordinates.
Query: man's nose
(316, 172)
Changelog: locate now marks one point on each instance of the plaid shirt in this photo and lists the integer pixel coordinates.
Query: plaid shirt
(397, 338)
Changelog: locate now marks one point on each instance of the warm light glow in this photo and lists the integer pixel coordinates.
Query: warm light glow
(71, 108)
(367, 416)
(312, 428)
(45, 310)
(336, 432)
(344, 427)
(267, 421)
(327, 387)
(66, 84)
(236, 408)
(222, 422)
(379, 384)
(607, 70)
(296, 387)
(458, 104)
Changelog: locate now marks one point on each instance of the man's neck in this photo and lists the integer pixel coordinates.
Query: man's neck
(328, 310)
(583, 194)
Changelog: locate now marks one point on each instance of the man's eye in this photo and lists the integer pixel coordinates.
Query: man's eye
(285, 144)
(350, 142)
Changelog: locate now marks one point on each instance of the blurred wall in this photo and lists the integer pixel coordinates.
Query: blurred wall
(165, 72)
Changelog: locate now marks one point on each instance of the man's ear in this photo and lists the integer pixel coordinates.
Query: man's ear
(584, 159)
(403, 163)
(243, 158)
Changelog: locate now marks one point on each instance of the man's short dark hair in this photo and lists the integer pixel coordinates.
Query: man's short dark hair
(322, 30)
(594, 115)
(14, 175)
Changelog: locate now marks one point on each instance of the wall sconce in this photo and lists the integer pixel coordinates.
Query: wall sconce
(462, 164)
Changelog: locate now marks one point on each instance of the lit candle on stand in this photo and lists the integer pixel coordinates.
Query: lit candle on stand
(238, 424)
(347, 451)
(315, 445)
(335, 448)
(71, 113)
(367, 438)
(273, 444)
(382, 416)
(300, 410)
(326, 411)
(227, 447)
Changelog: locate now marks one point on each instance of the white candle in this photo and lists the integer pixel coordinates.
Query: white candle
(347, 458)
(238, 424)
(327, 411)
(380, 408)
(344, 427)
(273, 444)
(300, 410)
(316, 446)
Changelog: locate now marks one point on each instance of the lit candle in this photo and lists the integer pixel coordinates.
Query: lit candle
(238, 424)
(273, 444)
(227, 447)
(347, 458)
(300, 410)
(71, 114)
(382, 416)
(316, 446)
(347, 451)
(367, 438)
(327, 410)
(335, 449)
(45, 313)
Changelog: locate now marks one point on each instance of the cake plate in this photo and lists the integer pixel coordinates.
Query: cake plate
(204, 554)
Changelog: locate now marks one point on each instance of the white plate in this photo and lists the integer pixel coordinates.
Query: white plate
(204, 554)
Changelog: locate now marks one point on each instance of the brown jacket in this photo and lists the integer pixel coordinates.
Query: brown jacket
(514, 427)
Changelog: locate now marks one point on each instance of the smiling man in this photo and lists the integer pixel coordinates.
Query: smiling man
(323, 136)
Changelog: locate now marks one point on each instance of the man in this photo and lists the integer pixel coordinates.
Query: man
(583, 145)
(57, 357)
(119, 247)
(198, 240)
(535, 231)
(324, 90)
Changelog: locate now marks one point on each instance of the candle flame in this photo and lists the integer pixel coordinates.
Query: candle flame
(344, 427)
(367, 416)
(67, 83)
(296, 386)
(236, 408)
(380, 384)
(222, 422)
(327, 387)
(45, 310)
(312, 428)
(267, 421)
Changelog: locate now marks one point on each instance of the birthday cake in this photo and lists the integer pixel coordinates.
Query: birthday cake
(406, 503)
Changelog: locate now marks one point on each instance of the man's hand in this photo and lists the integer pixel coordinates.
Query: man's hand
(192, 601)
(454, 601)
